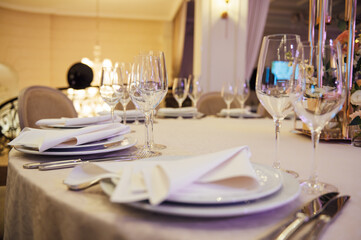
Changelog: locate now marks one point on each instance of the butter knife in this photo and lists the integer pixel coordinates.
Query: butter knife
(307, 212)
(328, 213)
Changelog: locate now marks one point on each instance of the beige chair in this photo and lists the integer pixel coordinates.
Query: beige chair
(38, 102)
(212, 103)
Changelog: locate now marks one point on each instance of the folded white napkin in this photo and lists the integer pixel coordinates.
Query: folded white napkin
(157, 180)
(184, 111)
(43, 139)
(76, 121)
(130, 113)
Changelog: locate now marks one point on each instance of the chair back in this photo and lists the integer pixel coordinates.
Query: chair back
(212, 103)
(39, 102)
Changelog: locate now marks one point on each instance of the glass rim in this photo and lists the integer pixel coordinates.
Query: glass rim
(280, 36)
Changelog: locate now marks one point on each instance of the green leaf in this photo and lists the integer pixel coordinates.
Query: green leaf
(355, 121)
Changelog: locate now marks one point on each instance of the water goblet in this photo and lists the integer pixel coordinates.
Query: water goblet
(109, 87)
(317, 95)
(228, 94)
(194, 89)
(273, 82)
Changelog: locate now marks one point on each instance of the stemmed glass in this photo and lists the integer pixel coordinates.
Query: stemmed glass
(273, 83)
(180, 90)
(317, 95)
(194, 89)
(109, 87)
(124, 98)
(243, 93)
(146, 91)
(162, 73)
(228, 94)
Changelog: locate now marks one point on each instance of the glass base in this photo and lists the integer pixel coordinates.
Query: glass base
(316, 188)
(145, 152)
(291, 172)
(156, 146)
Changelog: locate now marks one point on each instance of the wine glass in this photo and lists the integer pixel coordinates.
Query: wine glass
(317, 95)
(228, 94)
(161, 73)
(243, 93)
(180, 90)
(146, 91)
(109, 87)
(125, 70)
(273, 83)
(194, 89)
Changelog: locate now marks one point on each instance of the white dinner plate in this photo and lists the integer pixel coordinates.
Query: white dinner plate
(124, 144)
(245, 114)
(179, 114)
(270, 181)
(289, 192)
(102, 142)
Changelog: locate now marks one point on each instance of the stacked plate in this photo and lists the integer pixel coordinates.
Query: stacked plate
(132, 115)
(238, 113)
(211, 200)
(185, 112)
(111, 144)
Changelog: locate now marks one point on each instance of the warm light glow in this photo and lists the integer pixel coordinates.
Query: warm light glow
(87, 61)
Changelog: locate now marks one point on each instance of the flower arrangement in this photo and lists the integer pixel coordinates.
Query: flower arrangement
(356, 84)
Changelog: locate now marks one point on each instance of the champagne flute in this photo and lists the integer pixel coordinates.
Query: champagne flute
(317, 94)
(146, 92)
(124, 98)
(273, 81)
(243, 93)
(180, 90)
(228, 94)
(109, 87)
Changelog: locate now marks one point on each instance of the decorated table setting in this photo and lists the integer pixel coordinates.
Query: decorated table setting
(199, 178)
(122, 206)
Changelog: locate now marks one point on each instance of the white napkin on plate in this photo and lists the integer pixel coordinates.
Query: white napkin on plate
(43, 139)
(132, 113)
(184, 111)
(156, 180)
(76, 121)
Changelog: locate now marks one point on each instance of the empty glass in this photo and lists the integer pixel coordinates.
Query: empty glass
(228, 94)
(273, 83)
(146, 91)
(124, 98)
(317, 95)
(243, 93)
(180, 90)
(109, 87)
(194, 89)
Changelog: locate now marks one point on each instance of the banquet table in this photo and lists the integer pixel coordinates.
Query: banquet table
(39, 205)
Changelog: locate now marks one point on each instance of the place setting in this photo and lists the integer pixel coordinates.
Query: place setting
(181, 89)
(220, 184)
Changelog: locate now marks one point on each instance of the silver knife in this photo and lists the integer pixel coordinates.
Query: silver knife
(330, 211)
(75, 163)
(40, 164)
(307, 212)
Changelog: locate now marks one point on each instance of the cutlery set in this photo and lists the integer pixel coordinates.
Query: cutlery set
(321, 209)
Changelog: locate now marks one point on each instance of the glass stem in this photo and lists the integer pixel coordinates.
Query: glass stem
(125, 114)
(228, 110)
(112, 113)
(277, 163)
(242, 105)
(314, 172)
(151, 138)
(147, 131)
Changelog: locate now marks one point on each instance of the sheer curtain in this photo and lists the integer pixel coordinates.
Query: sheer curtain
(178, 38)
(257, 15)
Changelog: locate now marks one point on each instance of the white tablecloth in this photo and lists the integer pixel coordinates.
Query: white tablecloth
(39, 206)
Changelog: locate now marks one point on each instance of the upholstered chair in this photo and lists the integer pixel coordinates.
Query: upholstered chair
(212, 103)
(38, 102)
